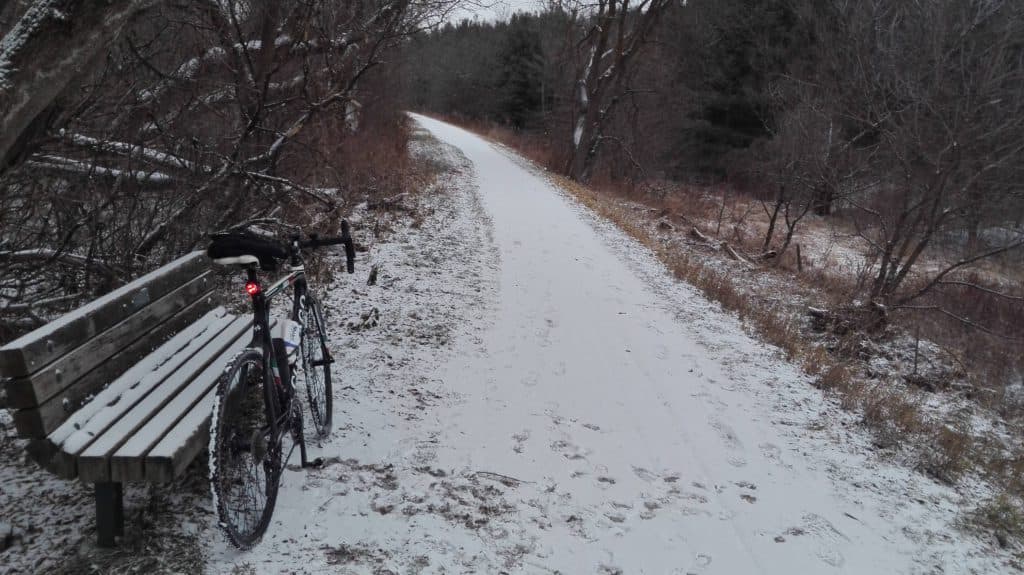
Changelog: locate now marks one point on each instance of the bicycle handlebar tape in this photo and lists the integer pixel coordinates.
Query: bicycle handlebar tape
(350, 247)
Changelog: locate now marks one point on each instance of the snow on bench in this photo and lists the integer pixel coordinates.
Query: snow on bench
(94, 419)
(122, 388)
(95, 461)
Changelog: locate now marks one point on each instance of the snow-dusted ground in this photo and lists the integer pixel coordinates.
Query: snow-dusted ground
(540, 396)
(527, 390)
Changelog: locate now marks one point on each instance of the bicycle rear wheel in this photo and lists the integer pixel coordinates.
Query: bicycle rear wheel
(316, 365)
(245, 461)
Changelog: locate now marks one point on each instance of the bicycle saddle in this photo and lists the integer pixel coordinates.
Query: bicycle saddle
(244, 248)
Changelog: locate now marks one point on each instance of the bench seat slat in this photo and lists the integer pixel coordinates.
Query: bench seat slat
(127, 463)
(93, 418)
(64, 372)
(167, 357)
(38, 348)
(169, 458)
(93, 463)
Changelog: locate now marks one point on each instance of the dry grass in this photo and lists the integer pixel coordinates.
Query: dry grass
(1002, 516)
(989, 361)
(892, 413)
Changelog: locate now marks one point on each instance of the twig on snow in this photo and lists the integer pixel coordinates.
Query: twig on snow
(505, 480)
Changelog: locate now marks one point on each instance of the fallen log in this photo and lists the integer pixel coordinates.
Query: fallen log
(733, 253)
(699, 236)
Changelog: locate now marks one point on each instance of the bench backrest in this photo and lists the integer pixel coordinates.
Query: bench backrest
(56, 368)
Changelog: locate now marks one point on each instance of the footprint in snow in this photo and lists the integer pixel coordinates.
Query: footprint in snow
(737, 461)
(726, 433)
(711, 399)
(827, 538)
(650, 506)
(645, 474)
(569, 450)
(560, 369)
(520, 439)
(772, 453)
(700, 562)
(531, 379)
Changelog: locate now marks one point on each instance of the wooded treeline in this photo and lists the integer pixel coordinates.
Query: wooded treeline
(905, 120)
(131, 130)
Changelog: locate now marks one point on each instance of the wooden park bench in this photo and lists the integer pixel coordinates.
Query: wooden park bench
(121, 389)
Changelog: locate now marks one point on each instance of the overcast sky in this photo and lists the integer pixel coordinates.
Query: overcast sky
(495, 9)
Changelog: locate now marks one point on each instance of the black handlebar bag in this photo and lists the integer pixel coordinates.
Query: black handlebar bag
(234, 244)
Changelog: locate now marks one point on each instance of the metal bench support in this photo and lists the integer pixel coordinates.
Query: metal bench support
(109, 513)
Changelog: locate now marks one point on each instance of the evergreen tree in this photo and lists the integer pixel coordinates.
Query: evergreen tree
(520, 80)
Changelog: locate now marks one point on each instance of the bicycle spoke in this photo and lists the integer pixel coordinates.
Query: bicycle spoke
(315, 366)
(246, 456)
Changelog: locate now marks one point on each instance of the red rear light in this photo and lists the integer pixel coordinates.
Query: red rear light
(252, 288)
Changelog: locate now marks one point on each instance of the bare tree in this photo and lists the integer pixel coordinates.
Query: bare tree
(44, 51)
(149, 124)
(930, 97)
(804, 162)
(612, 37)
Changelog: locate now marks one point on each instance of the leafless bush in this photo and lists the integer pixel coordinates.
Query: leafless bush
(178, 119)
(929, 99)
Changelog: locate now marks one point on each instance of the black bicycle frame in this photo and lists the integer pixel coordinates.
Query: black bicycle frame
(275, 355)
(296, 277)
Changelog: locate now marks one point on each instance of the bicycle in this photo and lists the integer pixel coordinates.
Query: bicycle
(256, 403)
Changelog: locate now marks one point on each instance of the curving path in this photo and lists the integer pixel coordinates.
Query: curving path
(588, 414)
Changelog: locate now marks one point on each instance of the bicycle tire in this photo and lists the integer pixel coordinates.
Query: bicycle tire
(241, 442)
(316, 366)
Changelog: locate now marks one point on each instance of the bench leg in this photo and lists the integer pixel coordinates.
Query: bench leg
(109, 513)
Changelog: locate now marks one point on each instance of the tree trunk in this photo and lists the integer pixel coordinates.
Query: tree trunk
(616, 39)
(774, 218)
(824, 197)
(44, 51)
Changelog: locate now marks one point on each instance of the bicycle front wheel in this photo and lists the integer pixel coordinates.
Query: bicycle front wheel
(245, 459)
(316, 365)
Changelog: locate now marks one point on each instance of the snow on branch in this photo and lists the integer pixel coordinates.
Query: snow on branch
(188, 70)
(67, 166)
(132, 150)
(51, 44)
(319, 194)
(36, 255)
(37, 304)
(15, 41)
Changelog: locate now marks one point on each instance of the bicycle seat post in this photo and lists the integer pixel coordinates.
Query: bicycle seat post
(295, 251)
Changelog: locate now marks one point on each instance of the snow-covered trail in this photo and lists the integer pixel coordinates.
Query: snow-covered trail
(594, 387)
(587, 414)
